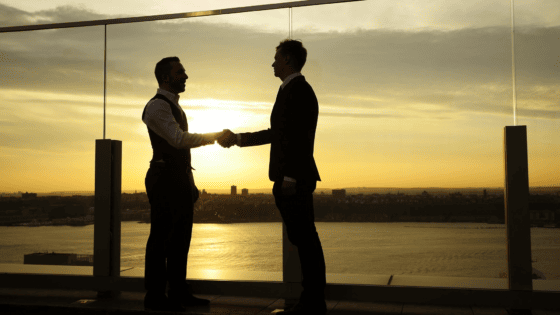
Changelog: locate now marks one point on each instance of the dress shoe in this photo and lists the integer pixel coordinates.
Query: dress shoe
(187, 299)
(160, 302)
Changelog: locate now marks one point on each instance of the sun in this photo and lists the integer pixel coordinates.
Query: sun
(212, 115)
(214, 120)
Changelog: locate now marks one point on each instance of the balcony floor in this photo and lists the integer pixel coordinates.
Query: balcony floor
(36, 301)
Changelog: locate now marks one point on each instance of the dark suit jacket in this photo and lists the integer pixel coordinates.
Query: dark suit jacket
(291, 134)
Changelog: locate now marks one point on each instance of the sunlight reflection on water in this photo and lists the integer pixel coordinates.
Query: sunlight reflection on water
(429, 249)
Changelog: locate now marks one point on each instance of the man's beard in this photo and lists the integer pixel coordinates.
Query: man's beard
(178, 86)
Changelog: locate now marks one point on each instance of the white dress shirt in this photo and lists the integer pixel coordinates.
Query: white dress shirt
(159, 118)
(289, 78)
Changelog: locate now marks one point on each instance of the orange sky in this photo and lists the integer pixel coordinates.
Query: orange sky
(420, 103)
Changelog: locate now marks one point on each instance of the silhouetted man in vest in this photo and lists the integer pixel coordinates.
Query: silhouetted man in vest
(171, 191)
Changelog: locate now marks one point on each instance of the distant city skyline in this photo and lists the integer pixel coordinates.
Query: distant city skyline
(348, 190)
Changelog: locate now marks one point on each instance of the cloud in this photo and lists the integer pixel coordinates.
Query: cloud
(360, 73)
(379, 14)
(11, 16)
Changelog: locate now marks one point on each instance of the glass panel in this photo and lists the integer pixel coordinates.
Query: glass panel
(537, 55)
(51, 102)
(412, 96)
(230, 85)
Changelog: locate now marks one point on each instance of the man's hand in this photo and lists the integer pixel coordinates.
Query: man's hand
(288, 188)
(227, 139)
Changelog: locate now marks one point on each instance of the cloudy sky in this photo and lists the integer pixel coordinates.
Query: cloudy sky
(411, 93)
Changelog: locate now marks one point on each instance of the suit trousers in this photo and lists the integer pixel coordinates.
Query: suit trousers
(171, 199)
(298, 215)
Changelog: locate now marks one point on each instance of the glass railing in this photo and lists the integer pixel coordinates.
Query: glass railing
(413, 99)
(52, 106)
(537, 50)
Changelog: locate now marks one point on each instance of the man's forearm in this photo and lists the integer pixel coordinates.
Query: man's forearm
(254, 138)
(195, 140)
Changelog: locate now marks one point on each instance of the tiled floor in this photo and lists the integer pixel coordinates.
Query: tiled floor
(31, 301)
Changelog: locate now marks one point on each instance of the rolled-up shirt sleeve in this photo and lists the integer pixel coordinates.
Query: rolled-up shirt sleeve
(159, 118)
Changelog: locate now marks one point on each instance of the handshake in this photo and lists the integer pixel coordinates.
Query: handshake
(226, 138)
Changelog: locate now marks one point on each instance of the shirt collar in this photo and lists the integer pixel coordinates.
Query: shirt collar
(289, 78)
(171, 96)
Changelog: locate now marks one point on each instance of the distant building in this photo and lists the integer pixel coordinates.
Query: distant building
(542, 216)
(31, 211)
(204, 193)
(233, 190)
(339, 193)
(28, 195)
(67, 211)
(244, 192)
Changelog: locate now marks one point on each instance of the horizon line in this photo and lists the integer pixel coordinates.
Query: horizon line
(346, 188)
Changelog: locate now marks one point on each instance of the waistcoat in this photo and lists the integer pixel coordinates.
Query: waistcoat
(172, 156)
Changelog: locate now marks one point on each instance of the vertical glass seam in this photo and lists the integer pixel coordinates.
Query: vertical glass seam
(104, 81)
(513, 78)
(290, 23)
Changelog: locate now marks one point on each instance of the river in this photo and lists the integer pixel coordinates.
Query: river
(433, 249)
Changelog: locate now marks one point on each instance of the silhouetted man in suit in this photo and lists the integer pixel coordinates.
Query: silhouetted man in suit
(171, 191)
(292, 168)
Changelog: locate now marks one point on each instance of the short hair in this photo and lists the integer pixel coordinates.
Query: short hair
(163, 67)
(296, 51)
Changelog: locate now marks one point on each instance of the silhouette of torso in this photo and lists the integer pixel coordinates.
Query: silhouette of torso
(180, 158)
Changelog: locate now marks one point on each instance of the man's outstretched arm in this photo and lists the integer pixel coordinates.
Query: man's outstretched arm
(248, 139)
(160, 119)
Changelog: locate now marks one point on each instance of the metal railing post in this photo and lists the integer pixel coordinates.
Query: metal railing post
(518, 220)
(107, 229)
